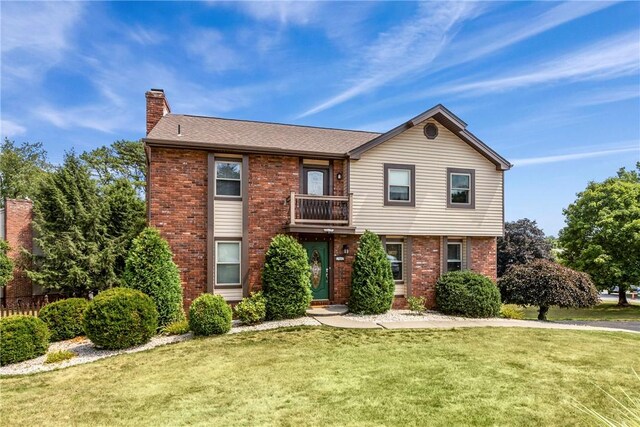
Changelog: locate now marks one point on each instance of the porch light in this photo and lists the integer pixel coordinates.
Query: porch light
(345, 249)
(339, 176)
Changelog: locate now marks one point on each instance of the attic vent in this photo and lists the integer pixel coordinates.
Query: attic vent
(430, 131)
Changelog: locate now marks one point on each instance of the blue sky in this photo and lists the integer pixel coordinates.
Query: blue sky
(553, 87)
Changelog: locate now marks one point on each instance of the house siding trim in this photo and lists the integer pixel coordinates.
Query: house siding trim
(211, 172)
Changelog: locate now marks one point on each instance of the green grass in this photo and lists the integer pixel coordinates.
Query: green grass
(603, 311)
(322, 376)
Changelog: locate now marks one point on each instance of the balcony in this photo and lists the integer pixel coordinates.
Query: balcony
(320, 214)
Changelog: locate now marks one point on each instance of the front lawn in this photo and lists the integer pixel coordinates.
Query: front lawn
(607, 310)
(322, 376)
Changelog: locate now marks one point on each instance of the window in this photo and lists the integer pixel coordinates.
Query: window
(394, 254)
(228, 263)
(460, 188)
(399, 183)
(454, 256)
(228, 181)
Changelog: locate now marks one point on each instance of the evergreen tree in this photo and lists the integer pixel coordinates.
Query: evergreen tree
(69, 225)
(151, 270)
(6, 265)
(372, 284)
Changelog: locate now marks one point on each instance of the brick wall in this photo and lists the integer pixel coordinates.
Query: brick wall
(271, 180)
(342, 269)
(178, 208)
(157, 106)
(339, 186)
(484, 258)
(425, 270)
(19, 235)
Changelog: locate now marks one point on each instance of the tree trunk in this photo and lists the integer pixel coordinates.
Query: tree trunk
(542, 314)
(622, 297)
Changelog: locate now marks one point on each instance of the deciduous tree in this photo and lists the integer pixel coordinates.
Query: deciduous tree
(22, 169)
(523, 242)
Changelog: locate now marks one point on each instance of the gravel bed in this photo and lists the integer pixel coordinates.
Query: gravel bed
(87, 353)
(400, 316)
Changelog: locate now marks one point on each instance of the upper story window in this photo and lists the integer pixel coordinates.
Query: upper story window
(454, 256)
(399, 185)
(228, 178)
(460, 188)
(394, 254)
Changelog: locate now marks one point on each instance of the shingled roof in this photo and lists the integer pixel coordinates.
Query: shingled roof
(255, 137)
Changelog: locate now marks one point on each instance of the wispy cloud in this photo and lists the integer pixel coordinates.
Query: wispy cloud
(576, 156)
(282, 12)
(210, 47)
(608, 96)
(404, 49)
(145, 36)
(614, 57)
(35, 35)
(10, 128)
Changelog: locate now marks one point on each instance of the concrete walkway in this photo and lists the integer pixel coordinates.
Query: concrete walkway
(342, 322)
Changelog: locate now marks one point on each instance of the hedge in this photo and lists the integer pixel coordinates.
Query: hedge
(464, 293)
(22, 338)
(64, 318)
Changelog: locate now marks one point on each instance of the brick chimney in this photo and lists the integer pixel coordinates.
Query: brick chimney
(157, 106)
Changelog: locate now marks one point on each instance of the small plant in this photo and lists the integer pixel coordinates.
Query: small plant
(176, 328)
(151, 270)
(416, 304)
(120, 318)
(252, 310)
(510, 311)
(286, 282)
(59, 356)
(372, 284)
(23, 338)
(209, 315)
(468, 294)
(64, 318)
(544, 284)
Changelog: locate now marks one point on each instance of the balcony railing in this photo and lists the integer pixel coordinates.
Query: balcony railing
(320, 210)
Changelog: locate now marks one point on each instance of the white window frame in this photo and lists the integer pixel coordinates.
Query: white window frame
(454, 260)
(389, 185)
(239, 263)
(215, 187)
(395, 242)
(452, 188)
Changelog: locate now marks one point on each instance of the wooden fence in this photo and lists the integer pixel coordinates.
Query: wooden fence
(28, 309)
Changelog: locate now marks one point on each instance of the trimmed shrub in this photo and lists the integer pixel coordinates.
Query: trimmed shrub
(286, 279)
(59, 356)
(372, 284)
(209, 315)
(252, 310)
(176, 328)
(468, 294)
(150, 269)
(545, 283)
(120, 318)
(64, 318)
(22, 338)
(6, 265)
(416, 304)
(510, 311)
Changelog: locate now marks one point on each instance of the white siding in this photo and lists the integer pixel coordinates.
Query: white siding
(227, 218)
(229, 294)
(430, 216)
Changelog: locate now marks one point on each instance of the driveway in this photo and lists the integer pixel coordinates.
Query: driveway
(619, 324)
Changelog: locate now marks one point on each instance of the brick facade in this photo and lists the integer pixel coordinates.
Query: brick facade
(484, 256)
(271, 181)
(342, 269)
(19, 235)
(425, 267)
(177, 197)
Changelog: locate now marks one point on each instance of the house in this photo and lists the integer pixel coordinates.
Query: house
(219, 189)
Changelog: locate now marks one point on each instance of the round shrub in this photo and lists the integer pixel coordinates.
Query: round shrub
(286, 279)
(120, 318)
(209, 315)
(468, 294)
(64, 318)
(151, 270)
(252, 310)
(372, 284)
(545, 283)
(22, 338)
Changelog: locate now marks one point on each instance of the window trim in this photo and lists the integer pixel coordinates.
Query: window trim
(401, 243)
(412, 191)
(215, 175)
(239, 263)
(449, 242)
(472, 188)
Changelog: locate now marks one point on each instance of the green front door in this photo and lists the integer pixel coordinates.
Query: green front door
(318, 253)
